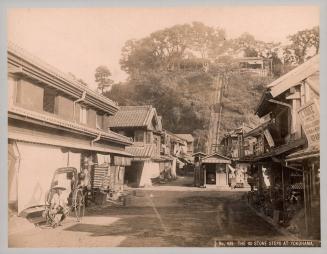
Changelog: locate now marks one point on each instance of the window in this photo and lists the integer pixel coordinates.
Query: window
(99, 121)
(138, 136)
(83, 115)
(49, 100)
(149, 137)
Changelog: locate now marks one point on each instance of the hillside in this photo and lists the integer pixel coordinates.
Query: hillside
(175, 70)
(183, 100)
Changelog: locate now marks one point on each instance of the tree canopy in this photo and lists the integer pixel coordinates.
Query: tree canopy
(102, 78)
(165, 49)
(304, 44)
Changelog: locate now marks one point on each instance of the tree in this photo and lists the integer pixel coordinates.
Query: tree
(102, 77)
(166, 49)
(302, 43)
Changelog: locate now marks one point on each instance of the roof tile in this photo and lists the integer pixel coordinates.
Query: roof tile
(131, 116)
(144, 151)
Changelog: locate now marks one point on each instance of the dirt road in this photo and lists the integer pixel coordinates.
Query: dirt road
(181, 216)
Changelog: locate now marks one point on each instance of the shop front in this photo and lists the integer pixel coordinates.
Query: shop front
(309, 161)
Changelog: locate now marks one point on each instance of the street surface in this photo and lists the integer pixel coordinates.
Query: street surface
(175, 215)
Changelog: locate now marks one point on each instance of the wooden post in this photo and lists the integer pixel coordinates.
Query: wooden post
(283, 189)
(313, 183)
(204, 177)
(226, 167)
(305, 202)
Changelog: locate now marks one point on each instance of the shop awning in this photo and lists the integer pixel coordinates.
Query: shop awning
(304, 154)
(281, 149)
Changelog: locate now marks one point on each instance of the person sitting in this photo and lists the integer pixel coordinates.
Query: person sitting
(58, 206)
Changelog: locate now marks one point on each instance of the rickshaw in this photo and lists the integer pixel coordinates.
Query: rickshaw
(67, 180)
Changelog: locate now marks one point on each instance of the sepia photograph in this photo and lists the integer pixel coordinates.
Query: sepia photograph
(186, 126)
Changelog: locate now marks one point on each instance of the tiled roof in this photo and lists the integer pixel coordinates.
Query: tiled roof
(68, 124)
(142, 151)
(132, 116)
(174, 138)
(187, 137)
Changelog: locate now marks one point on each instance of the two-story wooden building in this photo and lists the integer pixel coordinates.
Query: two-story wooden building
(142, 124)
(287, 149)
(189, 148)
(172, 147)
(54, 121)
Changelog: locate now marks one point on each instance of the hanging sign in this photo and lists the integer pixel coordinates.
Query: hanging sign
(309, 116)
(269, 138)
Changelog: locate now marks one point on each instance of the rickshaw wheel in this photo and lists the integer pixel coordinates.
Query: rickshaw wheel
(79, 205)
(46, 213)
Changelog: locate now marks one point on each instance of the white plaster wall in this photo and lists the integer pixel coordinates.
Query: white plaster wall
(150, 170)
(37, 166)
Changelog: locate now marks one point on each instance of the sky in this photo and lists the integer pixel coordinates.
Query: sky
(78, 40)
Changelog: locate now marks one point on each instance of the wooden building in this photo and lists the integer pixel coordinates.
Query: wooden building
(233, 144)
(215, 170)
(189, 139)
(176, 148)
(255, 66)
(288, 141)
(54, 121)
(142, 124)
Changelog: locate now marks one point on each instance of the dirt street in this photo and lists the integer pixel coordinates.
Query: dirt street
(159, 216)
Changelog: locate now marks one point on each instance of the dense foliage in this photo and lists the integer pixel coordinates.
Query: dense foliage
(176, 69)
